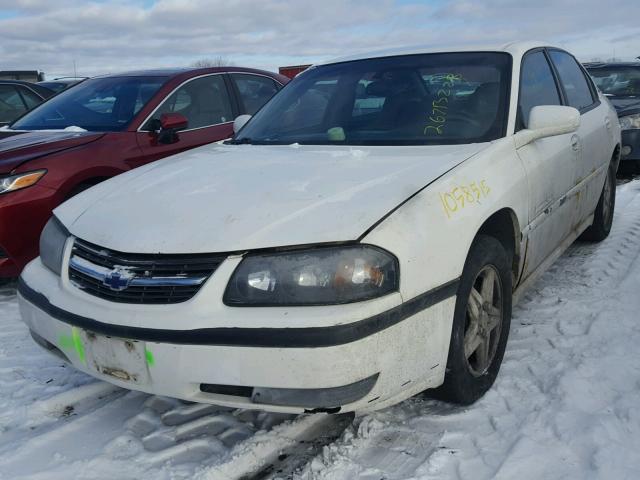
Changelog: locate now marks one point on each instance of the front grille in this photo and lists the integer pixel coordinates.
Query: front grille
(139, 278)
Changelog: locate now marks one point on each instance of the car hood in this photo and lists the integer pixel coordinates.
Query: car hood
(232, 198)
(625, 105)
(17, 147)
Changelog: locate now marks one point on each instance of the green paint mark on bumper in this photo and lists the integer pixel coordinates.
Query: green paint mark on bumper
(149, 356)
(77, 343)
(73, 342)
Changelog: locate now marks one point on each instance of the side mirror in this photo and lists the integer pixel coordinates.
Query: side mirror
(169, 126)
(548, 121)
(240, 122)
(173, 121)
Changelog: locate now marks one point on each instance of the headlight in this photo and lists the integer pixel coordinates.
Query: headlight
(319, 276)
(52, 241)
(630, 122)
(11, 183)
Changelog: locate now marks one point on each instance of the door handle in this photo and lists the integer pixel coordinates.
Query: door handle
(607, 123)
(575, 142)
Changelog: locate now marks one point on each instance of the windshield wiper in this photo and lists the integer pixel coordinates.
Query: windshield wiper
(242, 141)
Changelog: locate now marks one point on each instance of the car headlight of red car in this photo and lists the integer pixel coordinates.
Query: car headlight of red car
(11, 183)
(52, 241)
(316, 276)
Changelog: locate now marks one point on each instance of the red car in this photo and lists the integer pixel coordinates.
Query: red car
(105, 126)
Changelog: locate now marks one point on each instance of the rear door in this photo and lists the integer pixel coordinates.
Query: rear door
(206, 104)
(593, 135)
(550, 164)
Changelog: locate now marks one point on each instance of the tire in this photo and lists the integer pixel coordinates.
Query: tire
(603, 215)
(629, 168)
(469, 376)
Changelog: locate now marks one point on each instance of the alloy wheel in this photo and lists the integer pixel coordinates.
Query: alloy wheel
(483, 321)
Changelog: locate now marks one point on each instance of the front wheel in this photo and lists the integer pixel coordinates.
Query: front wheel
(481, 323)
(603, 216)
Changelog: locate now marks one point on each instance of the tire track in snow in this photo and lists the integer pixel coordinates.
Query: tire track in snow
(302, 447)
(57, 422)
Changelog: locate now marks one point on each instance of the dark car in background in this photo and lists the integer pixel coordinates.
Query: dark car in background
(62, 83)
(105, 126)
(18, 97)
(620, 82)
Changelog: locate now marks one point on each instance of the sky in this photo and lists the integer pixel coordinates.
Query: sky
(105, 36)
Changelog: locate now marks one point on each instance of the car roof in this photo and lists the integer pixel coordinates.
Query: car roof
(39, 89)
(516, 49)
(62, 80)
(173, 72)
(161, 72)
(17, 82)
(183, 74)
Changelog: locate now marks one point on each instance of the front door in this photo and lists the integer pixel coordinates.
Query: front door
(205, 103)
(550, 164)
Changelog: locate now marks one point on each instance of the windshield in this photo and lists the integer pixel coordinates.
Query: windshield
(98, 105)
(406, 100)
(617, 81)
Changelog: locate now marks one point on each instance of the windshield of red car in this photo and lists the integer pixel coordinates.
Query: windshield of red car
(97, 105)
(442, 98)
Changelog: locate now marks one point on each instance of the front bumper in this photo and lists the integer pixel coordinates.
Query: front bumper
(630, 145)
(396, 351)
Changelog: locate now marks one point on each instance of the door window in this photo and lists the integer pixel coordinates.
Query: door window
(204, 102)
(573, 80)
(254, 90)
(31, 99)
(537, 86)
(11, 105)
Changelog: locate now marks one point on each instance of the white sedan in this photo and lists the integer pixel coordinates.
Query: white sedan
(360, 240)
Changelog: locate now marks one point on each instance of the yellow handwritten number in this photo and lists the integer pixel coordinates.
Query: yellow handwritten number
(461, 196)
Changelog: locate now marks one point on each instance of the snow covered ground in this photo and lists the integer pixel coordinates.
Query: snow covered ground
(566, 404)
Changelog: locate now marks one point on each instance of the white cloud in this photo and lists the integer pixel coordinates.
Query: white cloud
(112, 35)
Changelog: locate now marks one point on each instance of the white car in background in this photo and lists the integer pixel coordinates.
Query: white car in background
(361, 239)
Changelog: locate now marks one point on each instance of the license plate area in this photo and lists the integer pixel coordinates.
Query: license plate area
(119, 358)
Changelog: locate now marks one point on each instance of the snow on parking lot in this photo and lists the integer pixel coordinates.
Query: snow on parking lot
(565, 404)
